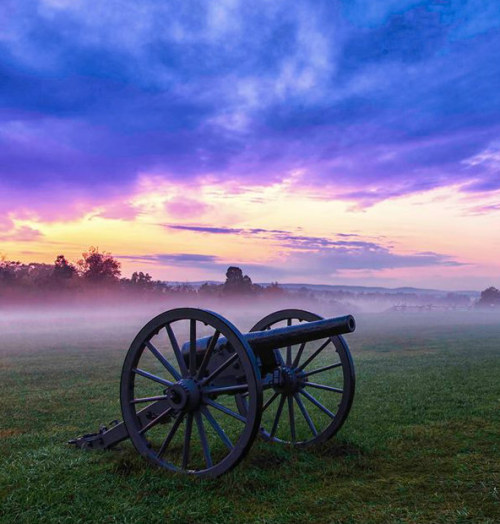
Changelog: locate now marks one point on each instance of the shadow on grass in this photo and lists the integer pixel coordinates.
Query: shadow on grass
(337, 449)
(265, 457)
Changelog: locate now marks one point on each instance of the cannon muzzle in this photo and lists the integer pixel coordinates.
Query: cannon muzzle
(300, 333)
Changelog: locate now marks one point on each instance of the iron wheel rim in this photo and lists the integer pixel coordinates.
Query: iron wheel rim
(190, 418)
(299, 401)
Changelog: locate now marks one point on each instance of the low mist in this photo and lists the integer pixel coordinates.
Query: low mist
(60, 324)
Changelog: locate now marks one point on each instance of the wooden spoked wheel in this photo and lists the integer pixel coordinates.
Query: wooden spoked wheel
(313, 386)
(178, 401)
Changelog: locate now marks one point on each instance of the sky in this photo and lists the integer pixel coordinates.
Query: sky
(336, 142)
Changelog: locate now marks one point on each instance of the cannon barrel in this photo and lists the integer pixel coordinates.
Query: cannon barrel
(263, 341)
(304, 332)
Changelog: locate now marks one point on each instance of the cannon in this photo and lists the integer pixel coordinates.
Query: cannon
(195, 392)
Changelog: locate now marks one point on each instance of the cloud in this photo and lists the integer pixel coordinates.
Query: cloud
(485, 209)
(331, 260)
(302, 264)
(370, 101)
(208, 229)
(223, 230)
(283, 238)
(172, 258)
(6, 224)
(119, 211)
(21, 234)
(182, 207)
(305, 255)
(211, 264)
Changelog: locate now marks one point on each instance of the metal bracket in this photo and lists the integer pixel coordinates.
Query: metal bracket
(105, 438)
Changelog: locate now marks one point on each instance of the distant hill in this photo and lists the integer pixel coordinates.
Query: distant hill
(351, 289)
(379, 289)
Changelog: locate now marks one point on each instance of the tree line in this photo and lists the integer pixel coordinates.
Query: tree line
(99, 270)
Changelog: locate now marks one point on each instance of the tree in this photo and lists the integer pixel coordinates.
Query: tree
(63, 270)
(490, 297)
(274, 290)
(38, 275)
(210, 290)
(9, 270)
(142, 280)
(99, 267)
(236, 282)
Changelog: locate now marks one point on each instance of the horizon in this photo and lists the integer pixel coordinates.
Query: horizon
(347, 144)
(219, 281)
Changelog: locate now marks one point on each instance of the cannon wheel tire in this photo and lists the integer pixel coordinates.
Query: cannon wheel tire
(196, 431)
(320, 418)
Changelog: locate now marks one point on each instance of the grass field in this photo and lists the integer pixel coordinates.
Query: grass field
(422, 443)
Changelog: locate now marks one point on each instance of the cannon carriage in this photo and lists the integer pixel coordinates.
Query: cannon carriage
(195, 392)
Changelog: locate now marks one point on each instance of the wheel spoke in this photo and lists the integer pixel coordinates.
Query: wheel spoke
(146, 374)
(155, 421)
(220, 369)
(305, 414)
(164, 361)
(226, 389)
(325, 368)
(225, 410)
(317, 403)
(269, 402)
(277, 352)
(217, 428)
(278, 415)
(148, 399)
(291, 417)
(187, 440)
(208, 354)
(298, 355)
(315, 354)
(170, 435)
(192, 347)
(322, 386)
(289, 348)
(177, 351)
(203, 439)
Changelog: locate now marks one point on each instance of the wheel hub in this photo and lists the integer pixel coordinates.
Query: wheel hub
(288, 380)
(184, 395)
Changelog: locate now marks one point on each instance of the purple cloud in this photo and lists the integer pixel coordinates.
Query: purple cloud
(6, 224)
(305, 255)
(223, 230)
(171, 258)
(21, 234)
(119, 211)
(371, 102)
(186, 207)
(333, 259)
(484, 209)
(283, 238)
(208, 229)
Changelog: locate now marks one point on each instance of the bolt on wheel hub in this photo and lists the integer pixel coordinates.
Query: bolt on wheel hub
(184, 395)
(288, 380)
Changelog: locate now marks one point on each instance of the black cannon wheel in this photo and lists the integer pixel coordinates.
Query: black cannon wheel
(317, 390)
(178, 413)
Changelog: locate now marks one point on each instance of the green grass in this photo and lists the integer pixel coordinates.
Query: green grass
(422, 442)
